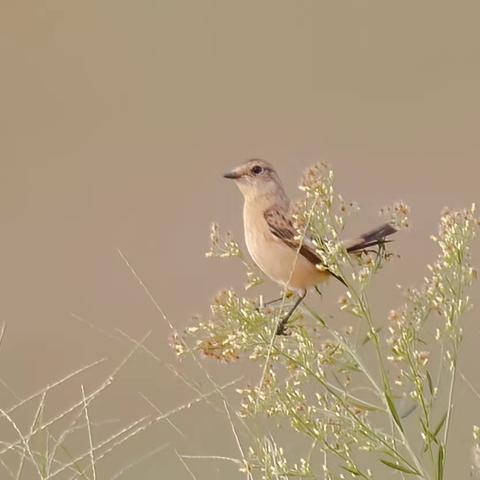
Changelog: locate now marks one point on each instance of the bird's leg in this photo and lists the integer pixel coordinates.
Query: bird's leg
(318, 290)
(281, 328)
(276, 300)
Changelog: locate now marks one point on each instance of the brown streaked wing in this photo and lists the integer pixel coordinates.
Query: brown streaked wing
(282, 227)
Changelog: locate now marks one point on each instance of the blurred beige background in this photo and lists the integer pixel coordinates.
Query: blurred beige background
(118, 119)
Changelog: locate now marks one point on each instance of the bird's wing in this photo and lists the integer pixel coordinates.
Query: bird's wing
(282, 228)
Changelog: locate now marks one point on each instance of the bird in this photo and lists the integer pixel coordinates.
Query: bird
(276, 247)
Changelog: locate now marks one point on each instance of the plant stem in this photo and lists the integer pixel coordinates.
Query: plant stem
(381, 393)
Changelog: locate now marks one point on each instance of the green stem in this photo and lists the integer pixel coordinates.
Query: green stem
(450, 405)
(365, 428)
(381, 393)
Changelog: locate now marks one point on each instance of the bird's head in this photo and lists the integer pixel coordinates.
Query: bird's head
(256, 178)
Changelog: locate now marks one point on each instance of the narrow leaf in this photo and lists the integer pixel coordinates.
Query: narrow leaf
(409, 410)
(430, 383)
(441, 461)
(354, 471)
(428, 435)
(401, 468)
(439, 427)
(393, 410)
(432, 437)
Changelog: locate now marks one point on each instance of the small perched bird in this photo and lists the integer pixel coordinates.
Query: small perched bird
(272, 239)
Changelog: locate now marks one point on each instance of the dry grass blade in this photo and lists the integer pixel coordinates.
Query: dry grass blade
(137, 427)
(2, 332)
(236, 461)
(237, 440)
(170, 367)
(7, 469)
(140, 460)
(72, 408)
(469, 384)
(20, 465)
(93, 326)
(159, 412)
(54, 385)
(86, 401)
(23, 441)
(185, 464)
(90, 440)
(145, 288)
(76, 461)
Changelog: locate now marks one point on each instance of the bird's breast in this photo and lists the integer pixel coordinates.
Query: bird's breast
(276, 259)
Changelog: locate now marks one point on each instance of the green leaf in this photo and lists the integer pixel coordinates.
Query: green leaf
(428, 435)
(439, 427)
(430, 383)
(401, 468)
(409, 411)
(353, 470)
(432, 437)
(441, 463)
(393, 410)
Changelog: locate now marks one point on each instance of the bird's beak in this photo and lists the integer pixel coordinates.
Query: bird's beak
(232, 175)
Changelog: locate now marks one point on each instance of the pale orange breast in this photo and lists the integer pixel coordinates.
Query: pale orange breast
(277, 260)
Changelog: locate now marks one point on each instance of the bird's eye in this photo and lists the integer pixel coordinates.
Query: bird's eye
(257, 170)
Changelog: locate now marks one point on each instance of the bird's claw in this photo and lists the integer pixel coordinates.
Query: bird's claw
(282, 329)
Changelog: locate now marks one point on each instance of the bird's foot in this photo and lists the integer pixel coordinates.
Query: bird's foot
(282, 328)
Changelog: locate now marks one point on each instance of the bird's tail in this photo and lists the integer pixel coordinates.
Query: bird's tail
(372, 238)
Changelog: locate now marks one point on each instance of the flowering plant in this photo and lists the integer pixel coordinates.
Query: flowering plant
(368, 399)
